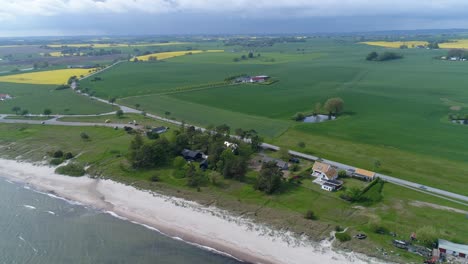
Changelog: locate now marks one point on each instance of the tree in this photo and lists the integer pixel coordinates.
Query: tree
(47, 112)
(301, 144)
(251, 55)
(298, 117)
(24, 112)
(112, 100)
(167, 113)
(269, 179)
(284, 153)
(334, 105)
(310, 215)
(137, 106)
(223, 129)
(377, 164)
(372, 56)
(119, 113)
(16, 109)
(427, 235)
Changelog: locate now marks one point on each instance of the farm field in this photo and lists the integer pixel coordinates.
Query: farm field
(396, 44)
(36, 98)
(401, 210)
(396, 112)
(58, 77)
(172, 54)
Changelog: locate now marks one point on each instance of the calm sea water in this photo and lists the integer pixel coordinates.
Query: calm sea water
(36, 228)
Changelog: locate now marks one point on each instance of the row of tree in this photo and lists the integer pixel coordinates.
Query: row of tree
(386, 56)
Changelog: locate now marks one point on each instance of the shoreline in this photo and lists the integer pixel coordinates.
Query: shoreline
(208, 228)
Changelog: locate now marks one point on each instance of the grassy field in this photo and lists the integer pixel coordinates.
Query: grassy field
(36, 98)
(395, 112)
(396, 44)
(45, 77)
(400, 210)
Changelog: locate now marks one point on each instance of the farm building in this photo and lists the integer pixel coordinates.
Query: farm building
(453, 249)
(159, 130)
(281, 164)
(324, 171)
(190, 155)
(4, 97)
(259, 79)
(364, 174)
(331, 185)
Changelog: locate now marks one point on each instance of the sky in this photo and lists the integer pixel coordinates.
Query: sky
(163, 17)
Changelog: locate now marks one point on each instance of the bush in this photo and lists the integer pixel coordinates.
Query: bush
(154, 178)
(298, 117)
(301, 144)
(68, 155)
(338, 228)
(56, 161)
(343, 237)
(71, 169)
(84, 136)
(310, 215)
(57, 154)
(342, 174)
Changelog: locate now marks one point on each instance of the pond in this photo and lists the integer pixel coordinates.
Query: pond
(317, 119)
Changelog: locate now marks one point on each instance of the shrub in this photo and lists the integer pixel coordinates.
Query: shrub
(342, 174)
(58, 154)
(84, 136)
(68, 155)
(56, 161)
(298, 117)
(154, 178)
(310, 215)
(301, 144)
(338, 228)
(343, 237)
(71, 169)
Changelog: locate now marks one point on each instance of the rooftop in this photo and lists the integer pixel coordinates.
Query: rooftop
(453, 246)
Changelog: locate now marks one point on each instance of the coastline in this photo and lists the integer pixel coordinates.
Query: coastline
(209, 228)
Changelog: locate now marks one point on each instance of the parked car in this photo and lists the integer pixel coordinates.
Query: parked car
(294, 160)
(361, 236)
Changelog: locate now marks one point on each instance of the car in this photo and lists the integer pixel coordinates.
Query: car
(423, 187)
(361, 236)
(43, 122)
(294, 160)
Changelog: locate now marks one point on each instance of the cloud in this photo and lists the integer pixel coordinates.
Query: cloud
(258, 8)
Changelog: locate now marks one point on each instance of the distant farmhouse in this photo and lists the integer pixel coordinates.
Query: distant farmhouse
(4, 97)
(363, 174)
(196, 156)
(327, 176)
(252, 79)
(282, 165)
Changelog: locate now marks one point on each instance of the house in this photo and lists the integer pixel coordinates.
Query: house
(190, 155)
(259, 79)
(159, 130)
(243, 79)
(331, 185)
(364, 174)
(324, 171)
(450, 248)
(4, 97)
(232, 146)
(281, 164)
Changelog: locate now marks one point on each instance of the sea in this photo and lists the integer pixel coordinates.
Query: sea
(42, 228)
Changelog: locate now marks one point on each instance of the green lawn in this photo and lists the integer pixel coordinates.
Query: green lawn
(36, 98)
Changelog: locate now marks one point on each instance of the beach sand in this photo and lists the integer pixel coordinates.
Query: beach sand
(208, 227)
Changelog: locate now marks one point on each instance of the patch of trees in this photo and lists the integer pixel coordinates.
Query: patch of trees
(334, 106)
(458, 53)
(231, 164)
(62, 87)
(270, 178)
(386, 56)
(250, 55)
(433, 45)
(41, 65)
(71, 169)
(59, 156)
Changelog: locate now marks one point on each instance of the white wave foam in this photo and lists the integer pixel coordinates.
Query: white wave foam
(50, 212)
(29, 206)
(116, 215)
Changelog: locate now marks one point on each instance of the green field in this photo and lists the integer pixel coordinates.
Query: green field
(396, 112)
(106, 150)
(36, 98)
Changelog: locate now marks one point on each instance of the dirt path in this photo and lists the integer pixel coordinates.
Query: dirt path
(436, 206)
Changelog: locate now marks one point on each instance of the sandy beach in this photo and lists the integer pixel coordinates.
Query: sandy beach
(208, 227)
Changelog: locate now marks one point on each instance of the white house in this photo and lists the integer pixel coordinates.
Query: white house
(456, 250)
(230, 145)
(4, 97)
(324, 171)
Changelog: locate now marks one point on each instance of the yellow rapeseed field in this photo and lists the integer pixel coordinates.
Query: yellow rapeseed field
(455, 44)
(113, 45)
(167, 55)
(396, 44)
(45, 77)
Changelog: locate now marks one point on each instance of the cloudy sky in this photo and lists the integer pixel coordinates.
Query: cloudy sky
(134, 17)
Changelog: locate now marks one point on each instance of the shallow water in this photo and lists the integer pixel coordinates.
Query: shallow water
(40, 228)
(317, 119)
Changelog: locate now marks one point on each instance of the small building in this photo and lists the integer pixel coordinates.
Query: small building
(190, 155)
(4, 97)
(324, 171)
(363, 174)
(453, 249)
(232, 146)
(243, 79)
(159, 130)
(259, 78)
(332, 185)
(282, 165)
